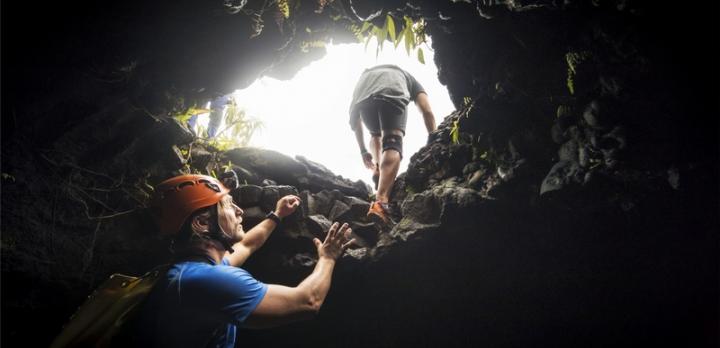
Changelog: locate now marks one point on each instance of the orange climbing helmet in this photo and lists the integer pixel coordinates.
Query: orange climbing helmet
(177, 198)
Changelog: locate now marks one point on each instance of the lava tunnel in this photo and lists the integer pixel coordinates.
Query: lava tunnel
(569, 199)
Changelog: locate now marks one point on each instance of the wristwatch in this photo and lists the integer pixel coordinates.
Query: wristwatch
(272, 216)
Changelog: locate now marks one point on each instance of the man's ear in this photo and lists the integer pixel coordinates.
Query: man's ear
(200, 223)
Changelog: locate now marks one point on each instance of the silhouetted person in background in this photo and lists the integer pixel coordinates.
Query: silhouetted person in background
(218, 107)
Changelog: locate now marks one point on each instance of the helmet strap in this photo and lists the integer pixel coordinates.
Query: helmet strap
(216, 233)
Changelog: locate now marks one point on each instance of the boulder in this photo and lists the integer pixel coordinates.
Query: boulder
(318, 225)
(268, 164)
(248, 195)
(338, 209)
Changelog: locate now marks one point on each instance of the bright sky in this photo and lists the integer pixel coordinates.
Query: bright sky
(308, 115)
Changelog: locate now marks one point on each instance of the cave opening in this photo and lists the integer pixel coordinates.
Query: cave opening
(307, 115)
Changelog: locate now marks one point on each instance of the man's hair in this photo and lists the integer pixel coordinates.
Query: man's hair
(187, 238)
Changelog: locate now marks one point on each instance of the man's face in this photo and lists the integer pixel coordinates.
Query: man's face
(229, 218)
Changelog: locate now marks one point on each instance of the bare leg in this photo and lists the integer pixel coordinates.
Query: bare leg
(389, 166)
(375, 148)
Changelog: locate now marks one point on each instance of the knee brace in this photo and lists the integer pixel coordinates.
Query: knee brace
(392, 142)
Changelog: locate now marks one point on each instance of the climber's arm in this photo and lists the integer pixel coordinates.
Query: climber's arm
(256, 237)
(282, 304)
(423, 104)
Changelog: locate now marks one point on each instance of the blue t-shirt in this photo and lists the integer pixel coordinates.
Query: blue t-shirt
(199, 304)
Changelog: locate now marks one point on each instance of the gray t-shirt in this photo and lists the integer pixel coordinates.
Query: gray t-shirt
(384, 82)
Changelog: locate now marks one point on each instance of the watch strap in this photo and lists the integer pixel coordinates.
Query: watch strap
(272, 216)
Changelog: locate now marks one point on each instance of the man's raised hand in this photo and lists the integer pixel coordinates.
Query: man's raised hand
(286, 205)
(336, 241)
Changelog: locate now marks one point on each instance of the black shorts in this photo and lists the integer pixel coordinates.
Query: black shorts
(378, 114)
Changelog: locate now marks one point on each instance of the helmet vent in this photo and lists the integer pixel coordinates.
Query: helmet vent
(186, 183)
(211, 185)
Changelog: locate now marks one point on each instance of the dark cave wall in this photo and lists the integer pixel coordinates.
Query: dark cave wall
(505, 281)
(620, 248)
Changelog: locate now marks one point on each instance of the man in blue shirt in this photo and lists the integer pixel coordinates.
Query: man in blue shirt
(205, 296)
(380, 100)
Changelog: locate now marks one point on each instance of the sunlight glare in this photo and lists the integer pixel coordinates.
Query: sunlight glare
(308, 115)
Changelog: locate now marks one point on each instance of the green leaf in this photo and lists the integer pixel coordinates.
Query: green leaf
(571, 85)
(409, 39)
(390, 23)
(191, 111)
(562, 110)
(400, 37)
(365, 26)
(382, 35)
(455, 132)
(201, 131)
(408, 21)
(421, 56)
(378, 33)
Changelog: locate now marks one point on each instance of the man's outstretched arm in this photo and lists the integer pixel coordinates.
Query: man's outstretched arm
(282, 304)
(423, 104)
(256, 237)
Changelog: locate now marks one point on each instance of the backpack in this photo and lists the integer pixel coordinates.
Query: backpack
(107, 310)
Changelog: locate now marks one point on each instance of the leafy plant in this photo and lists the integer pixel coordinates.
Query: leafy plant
(283, 7)
(411, 32)
(573, 59)
(279, 9)
(227, 167)
(455, 132)
(6, 176)
(306, 45)
(239, 129)
(562, 110)
(468, 104)
(190, 112)
(237, 132)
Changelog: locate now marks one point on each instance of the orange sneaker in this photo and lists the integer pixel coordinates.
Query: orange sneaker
(379, 210)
